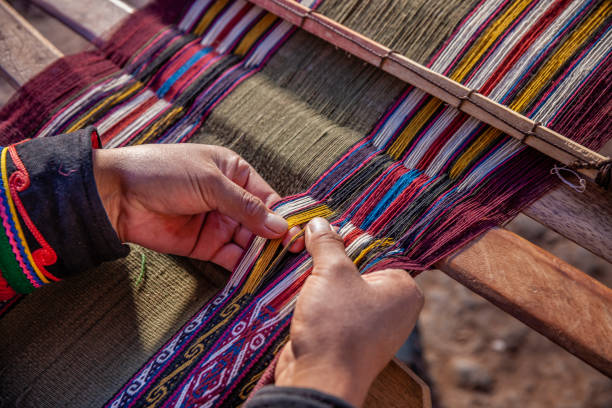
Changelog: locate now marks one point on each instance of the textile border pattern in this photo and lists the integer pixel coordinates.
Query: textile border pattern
(426, 180)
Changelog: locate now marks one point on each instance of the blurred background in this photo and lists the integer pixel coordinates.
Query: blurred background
(477, 355)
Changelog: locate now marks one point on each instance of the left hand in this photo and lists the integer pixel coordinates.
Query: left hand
(194, 200)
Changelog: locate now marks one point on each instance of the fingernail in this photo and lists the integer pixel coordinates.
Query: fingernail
(319, 225)
(276, 223)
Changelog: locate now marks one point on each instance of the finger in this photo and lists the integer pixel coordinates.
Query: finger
(397, 286)
(298, 244)
(327, 249)
(242, 237)
(247, 177)
(215, 231)
(250, 211)
(228, 256)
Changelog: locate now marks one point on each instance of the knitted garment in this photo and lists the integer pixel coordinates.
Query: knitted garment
(423, 181)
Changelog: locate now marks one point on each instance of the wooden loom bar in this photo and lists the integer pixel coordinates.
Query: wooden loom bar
(473, 270)
(83, 16)
(469, 101)
(552, 297)
(35, 52)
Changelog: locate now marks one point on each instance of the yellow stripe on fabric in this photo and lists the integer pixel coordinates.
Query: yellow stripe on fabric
(11, 206)
(567, 49)
(488, 38)
(481, 143)
(379, 243)
(247, 42)
(161, 124)
(210, 15)
(420, 119)
(105, 103)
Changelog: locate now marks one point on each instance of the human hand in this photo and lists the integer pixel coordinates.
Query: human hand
(200, 201)
(346, 327)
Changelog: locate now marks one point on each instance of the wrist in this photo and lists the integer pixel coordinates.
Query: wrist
(108, 185)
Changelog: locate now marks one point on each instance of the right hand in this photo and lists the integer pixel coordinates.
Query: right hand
(346, 327)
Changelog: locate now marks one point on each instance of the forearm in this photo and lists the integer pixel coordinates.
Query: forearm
(53, 222)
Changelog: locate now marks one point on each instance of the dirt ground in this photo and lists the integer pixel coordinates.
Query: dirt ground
(478, 356)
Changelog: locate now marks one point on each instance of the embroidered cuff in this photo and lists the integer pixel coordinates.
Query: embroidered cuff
(53, 220)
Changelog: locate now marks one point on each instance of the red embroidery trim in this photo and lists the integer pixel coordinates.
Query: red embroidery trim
(6, 292)
(95, 140)
(20, 181)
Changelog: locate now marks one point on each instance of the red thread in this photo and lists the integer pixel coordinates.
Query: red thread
(20, 181)
(6, 292)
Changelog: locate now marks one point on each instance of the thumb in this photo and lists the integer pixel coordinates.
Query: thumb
(327, 249)
(235, 202)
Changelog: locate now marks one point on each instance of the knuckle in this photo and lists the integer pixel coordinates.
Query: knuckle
(338, 263)
(328, 237)
(408, 285)
(252, 206)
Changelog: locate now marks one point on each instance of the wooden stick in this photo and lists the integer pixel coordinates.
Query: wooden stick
(24, 52)
(552, 297)
(83, 18)
(455, 94)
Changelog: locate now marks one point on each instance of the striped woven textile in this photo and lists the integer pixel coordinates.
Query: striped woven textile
(421, 183)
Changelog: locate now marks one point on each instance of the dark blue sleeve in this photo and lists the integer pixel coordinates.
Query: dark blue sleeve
(52, 215)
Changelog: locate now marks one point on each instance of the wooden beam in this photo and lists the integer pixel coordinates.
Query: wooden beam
(552, 297)
(398, 387)
(91, 19)
(24, 52)
(585, 218)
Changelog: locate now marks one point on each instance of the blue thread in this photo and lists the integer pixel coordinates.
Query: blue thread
(400, 185)
(170, 81)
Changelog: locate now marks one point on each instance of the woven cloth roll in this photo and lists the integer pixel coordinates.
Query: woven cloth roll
(407, 179)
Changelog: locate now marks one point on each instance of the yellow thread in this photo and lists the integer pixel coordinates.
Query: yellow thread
(488, 38)
(566, 50)
(305, 216)
(535, 85)
(9, 199)
(105, 103)
(420, 119)
(160, 124)
(257, 273)
(482, 142)
(267, 256)
(262, 25)
(379, 243)
(210, 16)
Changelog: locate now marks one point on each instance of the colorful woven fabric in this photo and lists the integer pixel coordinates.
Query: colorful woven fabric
(423, 182)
